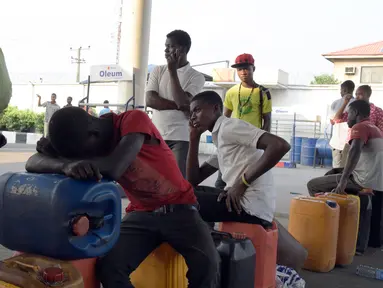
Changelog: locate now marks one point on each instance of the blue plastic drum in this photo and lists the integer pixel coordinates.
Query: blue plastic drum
(308, 151)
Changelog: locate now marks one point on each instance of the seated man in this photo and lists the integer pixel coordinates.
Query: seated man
(364, 165)
(129, 149)
(245, 154)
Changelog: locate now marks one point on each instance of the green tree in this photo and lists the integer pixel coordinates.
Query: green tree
(324, 79)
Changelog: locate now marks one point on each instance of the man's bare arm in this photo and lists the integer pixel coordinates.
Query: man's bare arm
(267, 122)
(339, 113)
(274, 149)
(227, 112)
(111, 166)
(153, 100)
(194, 173)
(352, 159)
(181, 98)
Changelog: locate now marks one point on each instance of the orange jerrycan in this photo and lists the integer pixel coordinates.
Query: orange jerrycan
(163, 268)
(265, 243)
(314, 222)
(348, 226)
(30, 271)
(86, 267)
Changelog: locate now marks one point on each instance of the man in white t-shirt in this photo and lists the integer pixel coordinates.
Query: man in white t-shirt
(5, 91)
(245, 154)
(169, 92)
(339, 132)
(50, 108)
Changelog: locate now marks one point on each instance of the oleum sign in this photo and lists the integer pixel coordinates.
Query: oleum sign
(108, 73)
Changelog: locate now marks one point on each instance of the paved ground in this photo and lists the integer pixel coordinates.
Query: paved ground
(289, 183)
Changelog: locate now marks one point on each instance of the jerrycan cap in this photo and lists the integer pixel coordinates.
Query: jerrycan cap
(80, 226)
(52, 275)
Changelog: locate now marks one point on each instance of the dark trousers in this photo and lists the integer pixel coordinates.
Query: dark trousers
(219, 183)
(142, 232)
(213, 211)
(376, 232)
(329, 182)
(180, 150)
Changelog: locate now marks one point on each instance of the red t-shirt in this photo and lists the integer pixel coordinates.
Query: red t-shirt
(153, 179)
(365, 131)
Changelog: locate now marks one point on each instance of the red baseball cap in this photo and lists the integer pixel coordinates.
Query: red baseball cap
(243, 60)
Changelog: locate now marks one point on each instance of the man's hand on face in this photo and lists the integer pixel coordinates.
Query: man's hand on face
(347, 98)
(195, 131)
(82, 170)
(174, 60)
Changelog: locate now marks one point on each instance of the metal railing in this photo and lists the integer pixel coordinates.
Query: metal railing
(294, 125)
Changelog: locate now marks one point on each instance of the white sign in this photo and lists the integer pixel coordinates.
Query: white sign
(108, 73)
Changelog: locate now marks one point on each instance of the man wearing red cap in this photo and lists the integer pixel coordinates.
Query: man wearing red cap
(248, 100)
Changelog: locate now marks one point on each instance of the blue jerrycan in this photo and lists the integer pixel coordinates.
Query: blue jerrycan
(59, 217)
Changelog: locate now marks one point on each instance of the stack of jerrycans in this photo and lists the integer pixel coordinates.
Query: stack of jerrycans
(314, 222)
(57, 217)
(348, 225)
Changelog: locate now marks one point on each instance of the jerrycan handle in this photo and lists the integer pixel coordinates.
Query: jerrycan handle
(25, 266)
(221, 234)
(235, 235)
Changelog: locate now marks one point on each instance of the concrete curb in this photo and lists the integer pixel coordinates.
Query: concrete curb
(21, 137)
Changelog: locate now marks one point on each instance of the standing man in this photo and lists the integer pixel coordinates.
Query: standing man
(248, 100)
(363, 167)
(51, 108)
(169, 91)
(69, 102)
(340, 129)
(105, 110)
(5, 91)
(376, 115)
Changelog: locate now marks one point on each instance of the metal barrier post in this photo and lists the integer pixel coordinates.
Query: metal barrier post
(293, 140)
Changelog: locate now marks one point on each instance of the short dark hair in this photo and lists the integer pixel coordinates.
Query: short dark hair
(367, 89)
(349, 85)
(106, 102)
(54, 94)
(361, 106)
(68, 129)
(182, 38)
(70, 97)
(209, 97)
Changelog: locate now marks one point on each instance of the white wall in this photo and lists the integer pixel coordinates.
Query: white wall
(309, 101)
(341, 64)
(24, 95)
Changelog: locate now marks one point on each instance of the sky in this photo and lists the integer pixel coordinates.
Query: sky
(36, 35)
